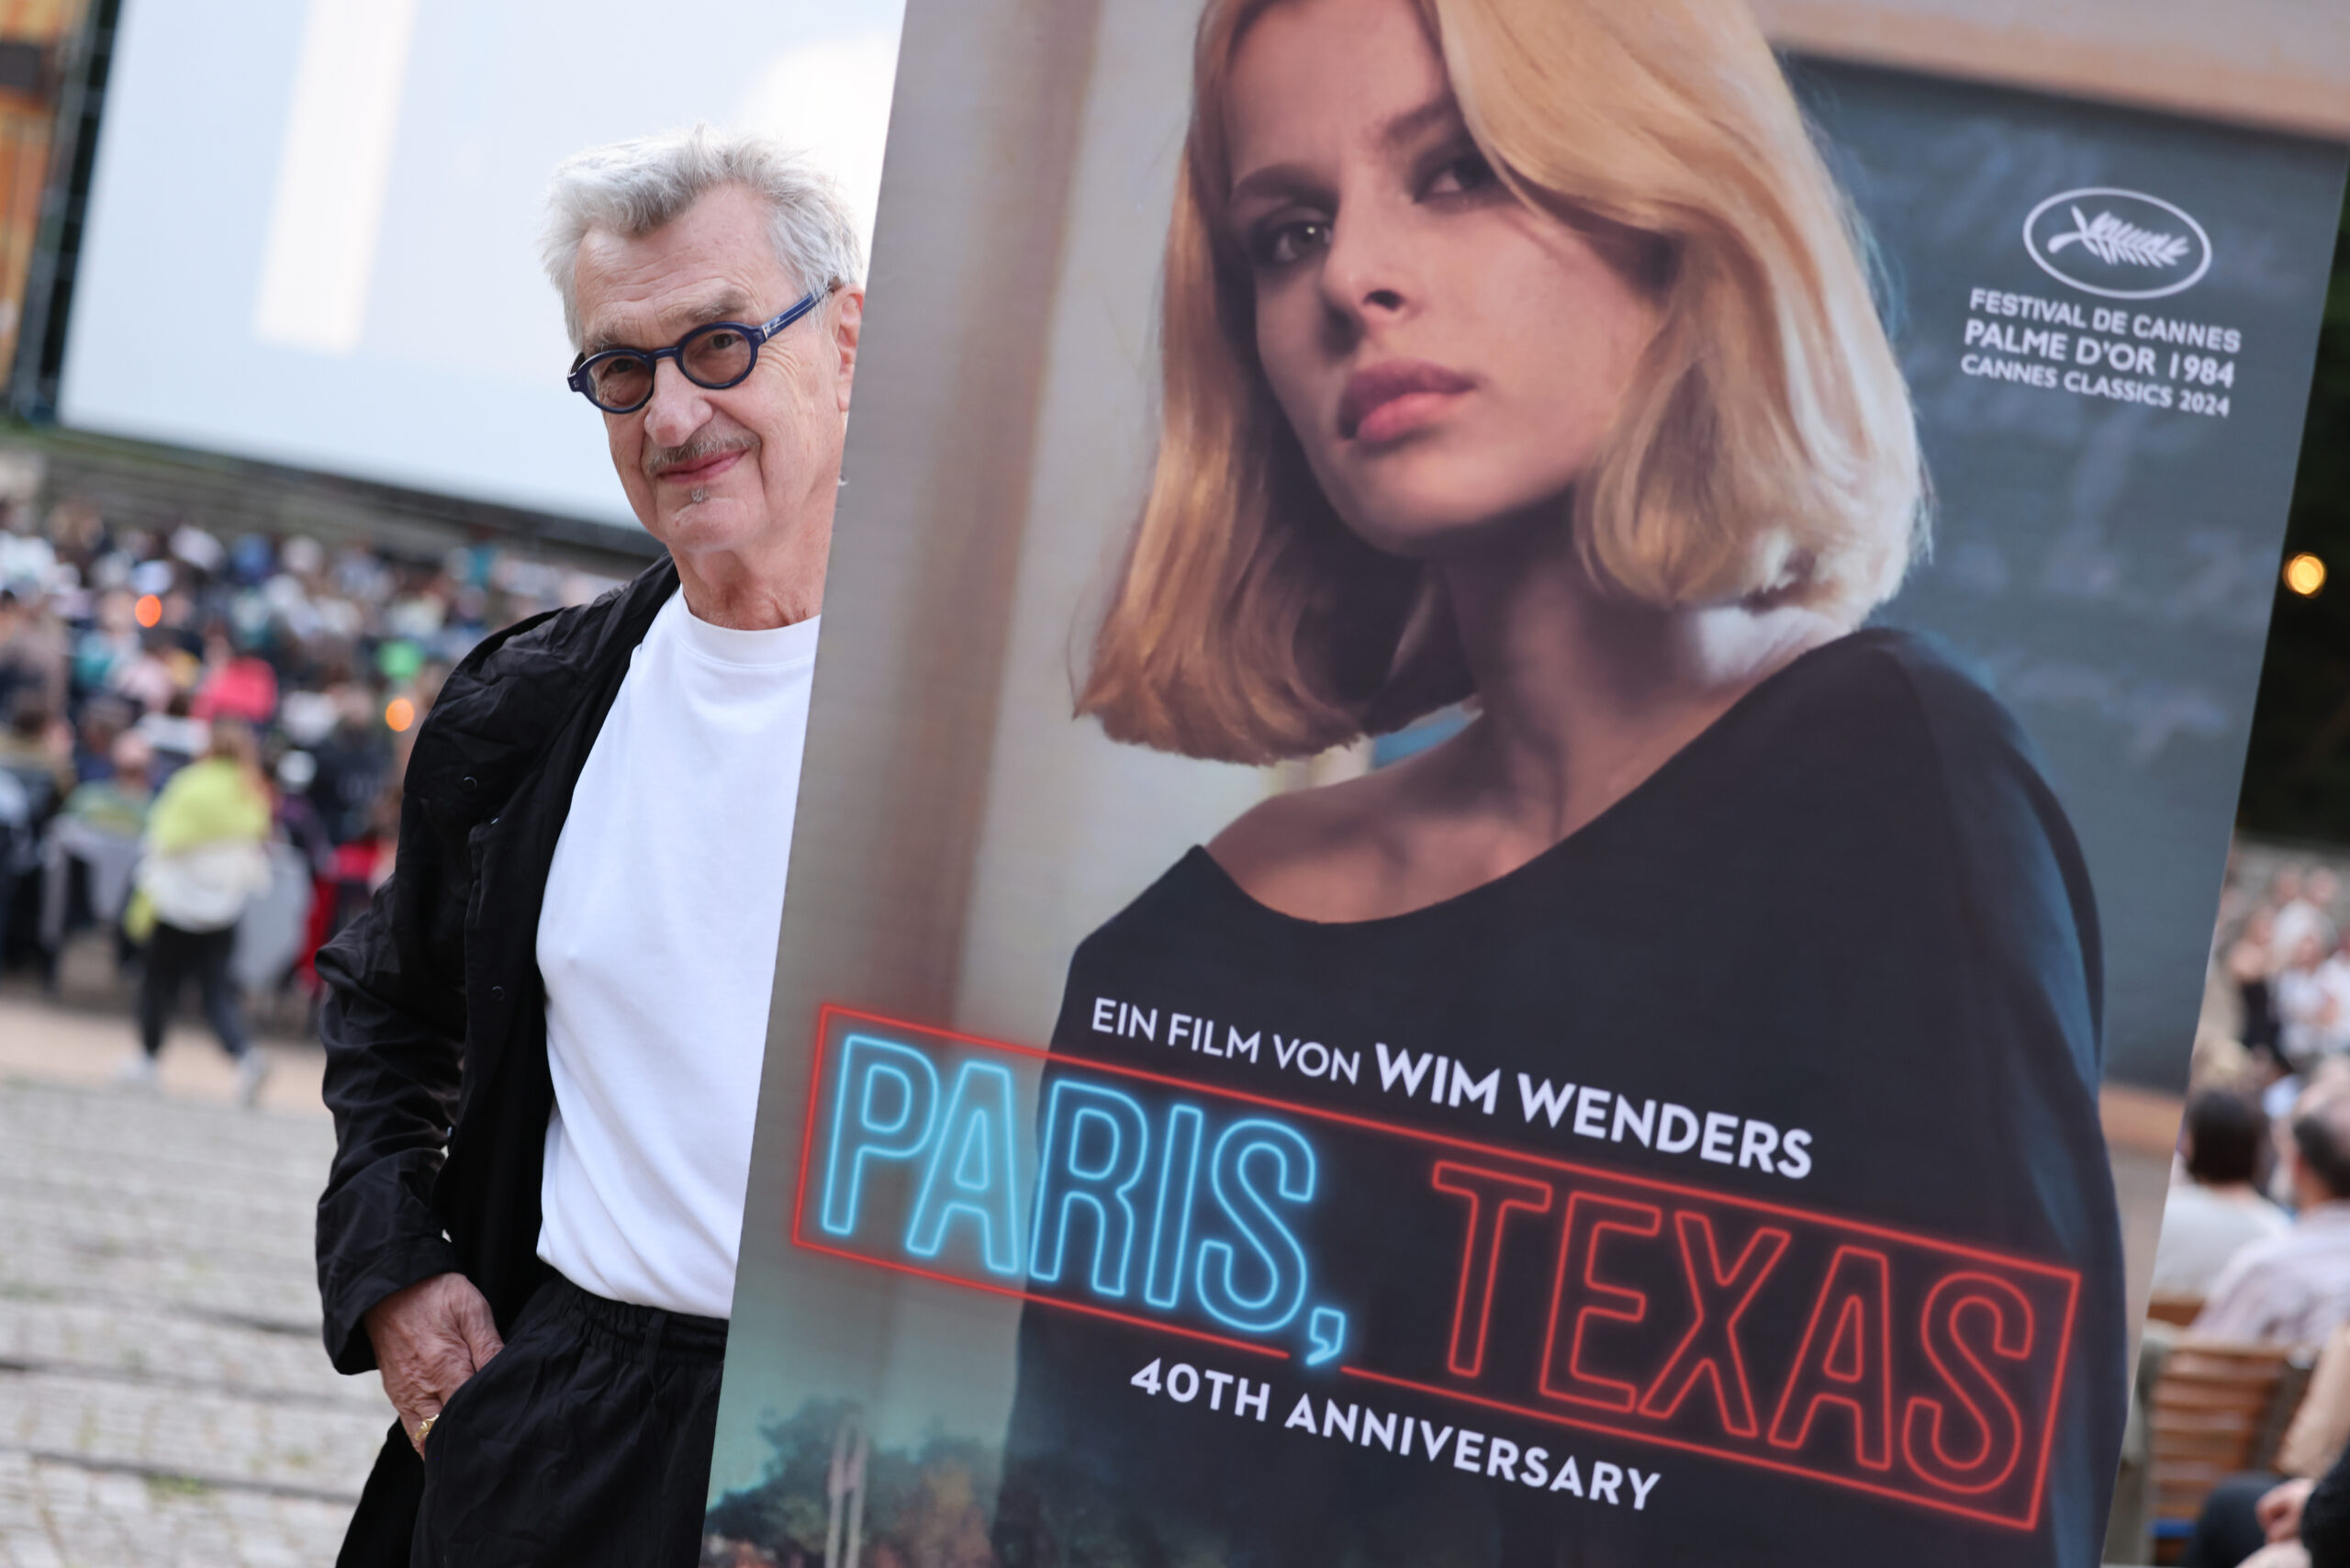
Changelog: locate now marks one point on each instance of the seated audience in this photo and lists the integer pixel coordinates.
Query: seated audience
(2294, 1287)
(2302, 1523)
(2246, 1514)
(2217, 1209)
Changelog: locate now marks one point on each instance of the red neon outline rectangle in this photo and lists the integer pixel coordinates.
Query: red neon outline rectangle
(2070, 1278)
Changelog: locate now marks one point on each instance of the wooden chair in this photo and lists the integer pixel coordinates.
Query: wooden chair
(2178, 1310)
(2218, 1409)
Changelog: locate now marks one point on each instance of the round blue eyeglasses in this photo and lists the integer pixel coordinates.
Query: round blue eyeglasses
(717, 354)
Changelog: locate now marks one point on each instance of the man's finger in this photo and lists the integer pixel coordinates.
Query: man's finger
(484, 1343)
(480, 1331)
(419, 1421)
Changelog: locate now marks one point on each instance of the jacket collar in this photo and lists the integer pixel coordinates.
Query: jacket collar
(499, 707)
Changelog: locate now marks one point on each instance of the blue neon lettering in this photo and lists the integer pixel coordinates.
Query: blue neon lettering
(1277, 1255)
(976, 1138)
(1179, 1178)
(895, 1090)
(1096, 1143)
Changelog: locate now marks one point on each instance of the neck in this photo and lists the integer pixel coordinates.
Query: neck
(1584, 694)
(778, 581)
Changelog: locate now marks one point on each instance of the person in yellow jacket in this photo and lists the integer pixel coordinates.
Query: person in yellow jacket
(204, 861)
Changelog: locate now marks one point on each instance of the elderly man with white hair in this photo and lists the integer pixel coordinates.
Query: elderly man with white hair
(544, 1039)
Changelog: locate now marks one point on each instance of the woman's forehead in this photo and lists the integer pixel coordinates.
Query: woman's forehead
(1315, 77)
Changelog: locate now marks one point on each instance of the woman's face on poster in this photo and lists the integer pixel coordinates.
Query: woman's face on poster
(1450, 358)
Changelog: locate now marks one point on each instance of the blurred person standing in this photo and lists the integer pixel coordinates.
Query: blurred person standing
(2312, 994)
(36, 773)
(151, 678)
(118, 803)
(2284, 888)
(235, 684)
(2251, 967)
(98, 722)
(2299, 896)
(2294, 1287)
(572, 962)
(202, 863)
(112, 644)
(91, 851)
(2321, 890)
(349, 765)
(32, 653)
(2214, 1209)
(298, 819)
(37, 747)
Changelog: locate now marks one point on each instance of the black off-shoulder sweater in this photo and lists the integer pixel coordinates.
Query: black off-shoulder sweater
(1852, 908)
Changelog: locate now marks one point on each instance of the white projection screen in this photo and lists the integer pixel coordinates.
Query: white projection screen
(312, 234)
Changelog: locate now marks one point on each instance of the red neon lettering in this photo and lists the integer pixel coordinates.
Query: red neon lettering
(1993, 1333)
(2011, 1335)
(1579, 1259)
(1711, 1343)
(1480, 1254)
(1850, 1367)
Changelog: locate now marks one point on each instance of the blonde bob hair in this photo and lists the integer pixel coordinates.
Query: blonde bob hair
(1765, 453)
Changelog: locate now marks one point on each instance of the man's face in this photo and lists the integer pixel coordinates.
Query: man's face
(760, 454)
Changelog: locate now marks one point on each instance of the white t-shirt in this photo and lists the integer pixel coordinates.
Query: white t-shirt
(657, 946)
(2203, 1230)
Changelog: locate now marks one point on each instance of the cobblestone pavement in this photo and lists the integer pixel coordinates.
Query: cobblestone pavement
(164, 1399)
(163, 1395)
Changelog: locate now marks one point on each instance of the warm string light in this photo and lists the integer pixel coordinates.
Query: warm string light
(2305, 573)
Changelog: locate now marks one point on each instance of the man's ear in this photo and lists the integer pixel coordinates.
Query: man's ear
(848, 318)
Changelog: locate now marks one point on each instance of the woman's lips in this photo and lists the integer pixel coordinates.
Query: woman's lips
(1383, 401)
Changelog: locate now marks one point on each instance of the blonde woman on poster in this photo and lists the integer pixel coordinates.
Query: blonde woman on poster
(1520, 354)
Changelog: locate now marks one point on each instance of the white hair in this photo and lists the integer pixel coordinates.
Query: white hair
(632, 188)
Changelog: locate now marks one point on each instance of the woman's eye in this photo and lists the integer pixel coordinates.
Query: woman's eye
(1285, 243)
(1460, 176)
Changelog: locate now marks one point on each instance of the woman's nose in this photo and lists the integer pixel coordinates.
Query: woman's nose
(1367, 272)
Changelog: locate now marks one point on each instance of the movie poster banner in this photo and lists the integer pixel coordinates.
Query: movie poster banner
(1521, 703)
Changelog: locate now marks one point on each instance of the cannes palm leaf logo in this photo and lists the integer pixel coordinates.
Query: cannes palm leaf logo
(2137, 247)
(2117, 243)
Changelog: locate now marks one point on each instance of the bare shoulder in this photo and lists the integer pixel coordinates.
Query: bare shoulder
(1322, 854)
(1300, 824)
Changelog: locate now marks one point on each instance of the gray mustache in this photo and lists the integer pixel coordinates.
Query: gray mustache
(662, 459)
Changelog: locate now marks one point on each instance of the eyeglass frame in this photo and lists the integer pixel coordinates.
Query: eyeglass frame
(582, 379)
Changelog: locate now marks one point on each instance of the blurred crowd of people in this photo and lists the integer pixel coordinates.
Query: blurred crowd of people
(2255, 1240)
(129, 654)
(2272, 1062)
(2288, 970)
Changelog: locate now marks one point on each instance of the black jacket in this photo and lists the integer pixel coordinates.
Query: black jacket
(435, 1022)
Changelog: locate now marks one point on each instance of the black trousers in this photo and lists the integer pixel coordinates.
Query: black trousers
(587, 1440)
(172, 954)
(2228, 1529)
